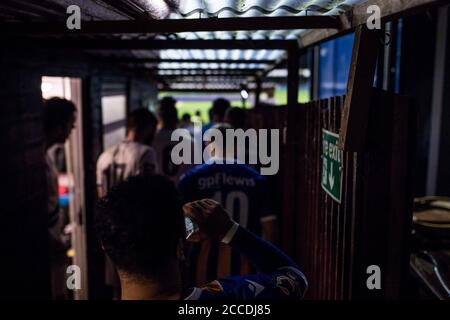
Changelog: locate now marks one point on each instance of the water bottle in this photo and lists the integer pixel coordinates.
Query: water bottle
(191, 227)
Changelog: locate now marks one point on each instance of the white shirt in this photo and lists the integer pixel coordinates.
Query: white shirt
(125, 160)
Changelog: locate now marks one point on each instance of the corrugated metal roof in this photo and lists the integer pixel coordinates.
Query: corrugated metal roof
(51, 10)
(256, 8)
(253, 8)
(248, 8)
(223, 54)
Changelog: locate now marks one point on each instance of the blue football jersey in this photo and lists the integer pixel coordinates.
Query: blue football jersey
(243, 192)
(287, 283)
(240, 189)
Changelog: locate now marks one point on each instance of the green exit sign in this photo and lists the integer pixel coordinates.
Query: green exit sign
(332, 165)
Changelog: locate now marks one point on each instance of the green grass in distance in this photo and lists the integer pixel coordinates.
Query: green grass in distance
(203, 106)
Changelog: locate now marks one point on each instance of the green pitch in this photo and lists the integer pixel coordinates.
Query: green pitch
(203, 107)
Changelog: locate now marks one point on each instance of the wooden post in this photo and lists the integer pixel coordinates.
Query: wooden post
(355, 115)
(93, 145)
(291, 154)
(293, 77)
(258, 91)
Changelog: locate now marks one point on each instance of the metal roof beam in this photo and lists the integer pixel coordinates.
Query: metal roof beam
(175, 25)
(207, 71)
(278, 64)
(390, 10)
(156, 60)
(121, 44)
(187, 90)
(204, 75)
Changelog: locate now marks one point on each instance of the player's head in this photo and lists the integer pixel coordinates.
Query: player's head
(236, 117)
(167, 113)
(59, 119)
(141, 125)
(220, 147)
(140, 224)
(217, 112)
(186, 117)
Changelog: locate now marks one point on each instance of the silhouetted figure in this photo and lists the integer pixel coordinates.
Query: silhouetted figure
(132, 156)
(236, 118)
(59, 120)
(186, 121)
(168, 122)
(217, 112)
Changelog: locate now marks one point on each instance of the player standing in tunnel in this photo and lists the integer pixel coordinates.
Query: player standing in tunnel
(186, 123)
(217, 112)
(131, 157)
(167, 123)
(236, 118)
(244, 194)
(59, 120)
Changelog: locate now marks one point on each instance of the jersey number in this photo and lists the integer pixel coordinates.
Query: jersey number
(240, 215)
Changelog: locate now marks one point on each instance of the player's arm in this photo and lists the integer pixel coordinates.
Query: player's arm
(265, 256)
(215, 223)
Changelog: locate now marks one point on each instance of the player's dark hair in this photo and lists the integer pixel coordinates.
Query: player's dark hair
(140, 224)
(220, 106)
(168, 112)
(186, 117)
(57, 113)
(236, 117)
(140, 119)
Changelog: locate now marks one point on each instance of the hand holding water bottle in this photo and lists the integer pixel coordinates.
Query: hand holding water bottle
(209, 220)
